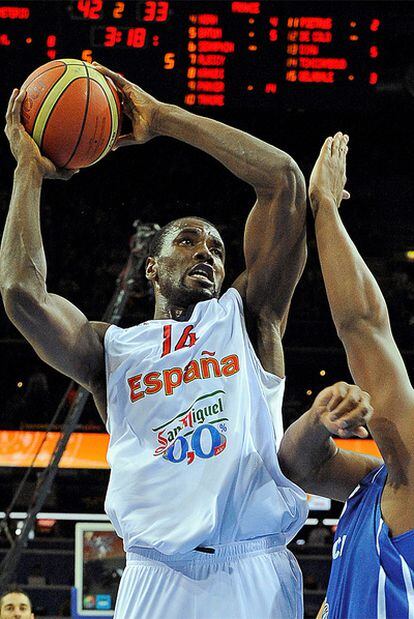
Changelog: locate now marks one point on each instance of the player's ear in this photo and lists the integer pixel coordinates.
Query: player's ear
(151, 269)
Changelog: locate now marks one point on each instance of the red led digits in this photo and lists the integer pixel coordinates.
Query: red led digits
(136, 37)
(156, 11)
(118, 10)
(169, 61)
(87, 55)
(112, 36)
(375, 24)
(51, 44)
(90, 9)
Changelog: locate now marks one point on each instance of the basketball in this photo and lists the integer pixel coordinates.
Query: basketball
(72, 112)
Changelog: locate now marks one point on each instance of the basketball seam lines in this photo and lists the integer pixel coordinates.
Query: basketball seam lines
(104, 151)
(41, 105)
(66, 64)
(84, 116)
(53, 107)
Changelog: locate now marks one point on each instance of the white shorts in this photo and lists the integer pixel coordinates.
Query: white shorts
(257, 579)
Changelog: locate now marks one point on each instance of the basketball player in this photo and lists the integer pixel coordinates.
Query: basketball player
(192, 398)
(15, 604)
(372, 573)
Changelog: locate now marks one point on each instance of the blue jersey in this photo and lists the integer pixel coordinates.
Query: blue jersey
(372, 574)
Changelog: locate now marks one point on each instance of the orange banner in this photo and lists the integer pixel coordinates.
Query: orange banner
(83, 451)
(362, 446)
(88, 450)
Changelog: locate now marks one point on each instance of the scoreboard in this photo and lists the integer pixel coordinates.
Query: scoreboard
(214, 53)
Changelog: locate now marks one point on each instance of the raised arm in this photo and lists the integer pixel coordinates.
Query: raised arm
(274, 242)
(361, 319)
(60, 334)
(308, 455)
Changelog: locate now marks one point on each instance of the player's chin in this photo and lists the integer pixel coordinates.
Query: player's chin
(202, 285)
(201, 293)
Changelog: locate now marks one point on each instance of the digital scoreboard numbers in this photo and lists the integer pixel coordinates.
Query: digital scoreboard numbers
(210, 53)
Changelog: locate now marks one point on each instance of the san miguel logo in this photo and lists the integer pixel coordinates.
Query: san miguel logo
(199, 431)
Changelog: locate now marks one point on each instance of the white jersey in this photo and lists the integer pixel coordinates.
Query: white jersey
(195, 423)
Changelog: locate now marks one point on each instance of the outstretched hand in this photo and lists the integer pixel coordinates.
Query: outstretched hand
(138, 105)
(24, 149)
(344, 410)
(328, 177)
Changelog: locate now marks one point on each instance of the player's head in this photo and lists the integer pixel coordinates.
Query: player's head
(186, 261)
(15, 604)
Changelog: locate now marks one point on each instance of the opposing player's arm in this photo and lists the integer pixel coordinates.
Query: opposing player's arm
(308, 454)
(60, 334)
(361, 319)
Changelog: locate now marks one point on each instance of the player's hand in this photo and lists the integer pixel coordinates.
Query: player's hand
(23, 148)
(344, 410)
(138, 105)
(328, 177)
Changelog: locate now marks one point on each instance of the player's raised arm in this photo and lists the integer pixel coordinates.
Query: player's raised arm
(308, 455)
(60, 334)
(361, 319)
(274, 243)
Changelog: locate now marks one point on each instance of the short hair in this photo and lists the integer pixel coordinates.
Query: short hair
(157, 240)
(13, 589)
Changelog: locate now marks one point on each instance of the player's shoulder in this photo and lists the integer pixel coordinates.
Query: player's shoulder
(232, 296)
(100, 328)
(376, 476)
(372, 483)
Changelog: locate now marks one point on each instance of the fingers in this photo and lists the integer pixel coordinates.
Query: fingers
(65, 175)
(339, 392)
(350, 397)
(345, 195)
(337, 139)
(11, 103)
(351, 412)
(356, 415)
(327, 146)
(124, 140)
(61, 174)
(118, 80)
(17, 105)
(336, 145)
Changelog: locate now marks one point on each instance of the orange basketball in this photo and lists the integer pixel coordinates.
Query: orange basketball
(72, 112)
